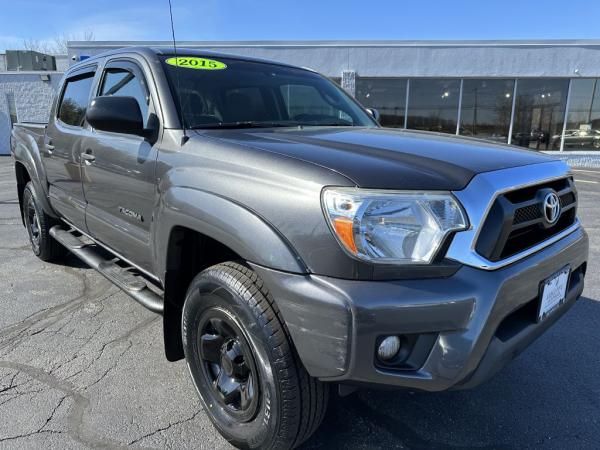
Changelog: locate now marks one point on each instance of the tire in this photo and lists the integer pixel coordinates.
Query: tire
(38, 225)
(277, 405)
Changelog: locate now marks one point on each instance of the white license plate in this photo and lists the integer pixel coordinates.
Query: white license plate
(554, 290)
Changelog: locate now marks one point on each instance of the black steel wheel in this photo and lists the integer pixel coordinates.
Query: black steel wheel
(250, 381)
(38, 225)
(228, 363)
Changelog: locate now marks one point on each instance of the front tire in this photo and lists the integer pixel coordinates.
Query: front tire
(38, 225)
(250, 381)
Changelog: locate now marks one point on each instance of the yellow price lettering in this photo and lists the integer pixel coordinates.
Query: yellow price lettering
(193, 62)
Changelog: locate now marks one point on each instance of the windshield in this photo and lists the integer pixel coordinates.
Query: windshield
(230, 93)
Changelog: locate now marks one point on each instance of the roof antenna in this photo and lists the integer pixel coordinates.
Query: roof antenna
(185, 137)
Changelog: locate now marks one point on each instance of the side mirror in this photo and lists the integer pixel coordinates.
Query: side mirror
(116, 114)
(374, 113)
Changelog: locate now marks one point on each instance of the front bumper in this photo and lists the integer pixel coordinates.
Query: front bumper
(473, 322)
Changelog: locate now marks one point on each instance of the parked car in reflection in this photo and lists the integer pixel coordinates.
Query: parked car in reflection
(535, 136)
(584, 139)
(484, 134)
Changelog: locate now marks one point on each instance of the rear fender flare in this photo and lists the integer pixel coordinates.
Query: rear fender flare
(27, 153)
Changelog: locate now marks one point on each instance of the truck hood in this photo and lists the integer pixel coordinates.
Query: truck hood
(384, 158)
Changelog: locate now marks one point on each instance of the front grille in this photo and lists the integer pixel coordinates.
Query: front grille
(567, 199)
(526, 214)
(533, 212)
(516, 220)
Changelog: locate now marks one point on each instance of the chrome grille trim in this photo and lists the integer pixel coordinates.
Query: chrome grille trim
(480, 194)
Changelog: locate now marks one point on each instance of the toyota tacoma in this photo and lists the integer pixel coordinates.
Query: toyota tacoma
(290, 243)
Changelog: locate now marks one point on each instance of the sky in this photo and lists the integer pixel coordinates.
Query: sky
(44, 20)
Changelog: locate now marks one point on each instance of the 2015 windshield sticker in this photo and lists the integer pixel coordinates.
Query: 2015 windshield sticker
(193, 62)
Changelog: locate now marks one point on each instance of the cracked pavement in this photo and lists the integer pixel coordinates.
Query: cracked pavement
(82, 366)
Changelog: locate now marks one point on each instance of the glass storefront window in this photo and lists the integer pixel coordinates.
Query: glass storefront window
(486, 108)
(387, 95)
(539, 113)
(583, 118)
(433, 105)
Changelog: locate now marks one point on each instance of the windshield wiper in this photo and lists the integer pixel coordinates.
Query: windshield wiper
(328, 124)
(242, 124)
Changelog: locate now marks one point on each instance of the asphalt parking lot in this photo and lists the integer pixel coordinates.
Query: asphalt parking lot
(82, 366)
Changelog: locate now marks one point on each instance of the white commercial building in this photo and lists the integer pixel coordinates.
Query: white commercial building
(542, 95)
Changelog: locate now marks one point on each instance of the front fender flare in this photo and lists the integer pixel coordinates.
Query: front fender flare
(226, 221)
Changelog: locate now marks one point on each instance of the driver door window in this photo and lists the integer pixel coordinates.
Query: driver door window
(126, 83)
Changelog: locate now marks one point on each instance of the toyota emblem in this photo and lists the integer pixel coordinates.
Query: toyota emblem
(551, 207)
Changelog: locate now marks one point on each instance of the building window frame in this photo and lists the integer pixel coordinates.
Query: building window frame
(567, 106)
(459, 113)
(406, 104)
(512, 111)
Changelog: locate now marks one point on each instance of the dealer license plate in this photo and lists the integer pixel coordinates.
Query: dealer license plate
(554, 290)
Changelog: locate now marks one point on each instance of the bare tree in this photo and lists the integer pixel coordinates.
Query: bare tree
(37, 45)
(58, 45)
(60, 41)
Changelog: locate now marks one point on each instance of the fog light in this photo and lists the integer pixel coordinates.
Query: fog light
(388, 348)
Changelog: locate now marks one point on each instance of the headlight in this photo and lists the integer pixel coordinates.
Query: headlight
(392, 227)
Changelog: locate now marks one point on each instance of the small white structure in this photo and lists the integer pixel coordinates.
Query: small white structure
(26, 96)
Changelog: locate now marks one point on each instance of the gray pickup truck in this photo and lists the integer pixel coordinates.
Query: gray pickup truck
(291, 243)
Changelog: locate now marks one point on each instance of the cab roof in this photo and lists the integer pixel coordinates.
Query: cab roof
(150, 52)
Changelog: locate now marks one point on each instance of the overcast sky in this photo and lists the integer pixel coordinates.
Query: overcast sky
(299, 19)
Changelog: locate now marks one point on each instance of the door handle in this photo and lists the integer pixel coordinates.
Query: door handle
(88, 157)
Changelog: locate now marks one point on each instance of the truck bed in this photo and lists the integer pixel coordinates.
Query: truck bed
(28, 133)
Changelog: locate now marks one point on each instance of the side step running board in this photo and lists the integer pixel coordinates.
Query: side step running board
(133, 285)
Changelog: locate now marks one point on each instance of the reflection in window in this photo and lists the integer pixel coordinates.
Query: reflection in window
(583, 119)
(433, 105)
(387, 95)
(539, 113)
(302, 101)
(486, 109)
(75, 99)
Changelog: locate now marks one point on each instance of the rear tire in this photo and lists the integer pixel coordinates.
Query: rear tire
(249, 378)
(38, 225)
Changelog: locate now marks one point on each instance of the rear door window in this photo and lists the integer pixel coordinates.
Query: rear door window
(75, 99)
